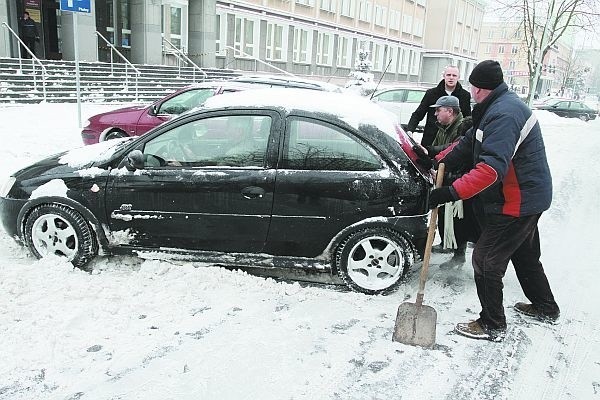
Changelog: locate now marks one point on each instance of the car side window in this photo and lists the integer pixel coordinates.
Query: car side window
(312, 145)
(415, 96)
(185, 101)
(394, 96)
(224, 141)
(562, 104)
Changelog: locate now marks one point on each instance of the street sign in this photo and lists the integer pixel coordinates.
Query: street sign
(82, 6)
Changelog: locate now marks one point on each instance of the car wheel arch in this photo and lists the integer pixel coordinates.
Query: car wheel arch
(369, 223)
(368, 273)
(110, 130)
(90, 217)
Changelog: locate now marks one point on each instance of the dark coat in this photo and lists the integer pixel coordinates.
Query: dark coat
(510, 173)
(28, 28)
(431, 96)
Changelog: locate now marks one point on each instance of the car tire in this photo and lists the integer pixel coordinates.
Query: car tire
(60, 230)
(115, 134)
(373, 260)
(584, 118)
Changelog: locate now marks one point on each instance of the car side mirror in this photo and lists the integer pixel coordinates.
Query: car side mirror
(153, 109)
(135, 160)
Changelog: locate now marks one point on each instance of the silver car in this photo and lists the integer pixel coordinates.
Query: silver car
(400, 100)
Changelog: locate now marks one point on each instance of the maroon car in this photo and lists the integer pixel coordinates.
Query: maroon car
(137, 120)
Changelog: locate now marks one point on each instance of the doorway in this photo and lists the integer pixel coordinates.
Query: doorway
(52, 38)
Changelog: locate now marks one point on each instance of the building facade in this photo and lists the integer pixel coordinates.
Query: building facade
(452, 37)
(503, 41)
(304, 37)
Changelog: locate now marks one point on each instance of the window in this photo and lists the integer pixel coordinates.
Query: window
(308, 3)
(344, 53)
(347, 9)
(313, 145)
(378, 62)
(231, 141)
(220, 32)
(302, 45)
(503, 33)
(406, 23)
(380, 13)
(394, 20)
(511, 65)
(404, 63)
(415, 96)
(415, 59)
(185, 101)
(176, 26)
(328, 5)
(123, 24)
(488, 48)
(324, 48)
(501, 49)
(276, 40)
(244, 37)
(460, 13)
(490, 34)
(418, 27)
(514, 49)
(364, 10)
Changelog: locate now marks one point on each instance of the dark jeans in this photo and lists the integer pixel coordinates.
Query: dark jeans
(29, 42)
(505, 239)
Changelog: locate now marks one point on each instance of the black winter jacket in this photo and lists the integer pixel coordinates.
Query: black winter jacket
(431, 96)
(28, 28)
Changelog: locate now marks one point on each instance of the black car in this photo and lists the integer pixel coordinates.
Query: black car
(568, 109)
(272, 177)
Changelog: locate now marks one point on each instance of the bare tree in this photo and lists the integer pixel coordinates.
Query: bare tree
(544, 22)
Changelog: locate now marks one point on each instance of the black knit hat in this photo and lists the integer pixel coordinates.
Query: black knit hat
(487, 75)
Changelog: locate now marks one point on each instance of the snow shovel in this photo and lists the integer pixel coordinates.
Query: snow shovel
(415, 323)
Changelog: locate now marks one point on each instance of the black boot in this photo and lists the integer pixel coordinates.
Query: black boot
(457, 259)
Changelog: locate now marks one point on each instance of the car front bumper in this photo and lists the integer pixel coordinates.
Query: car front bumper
(9, 214)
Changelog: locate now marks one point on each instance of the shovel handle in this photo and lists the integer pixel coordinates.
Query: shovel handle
(430, 235)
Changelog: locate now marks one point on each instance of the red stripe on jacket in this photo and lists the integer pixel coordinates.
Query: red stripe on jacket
(512, 193)
(475, 181)
(447, 150)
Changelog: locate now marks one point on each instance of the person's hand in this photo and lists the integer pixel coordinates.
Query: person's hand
(440, 196)
(423, 159)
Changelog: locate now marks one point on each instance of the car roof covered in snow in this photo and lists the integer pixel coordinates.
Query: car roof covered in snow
(352, 109)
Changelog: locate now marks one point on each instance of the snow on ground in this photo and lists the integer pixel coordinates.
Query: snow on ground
(147, 329)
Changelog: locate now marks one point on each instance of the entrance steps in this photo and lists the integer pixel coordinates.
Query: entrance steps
(21, 81)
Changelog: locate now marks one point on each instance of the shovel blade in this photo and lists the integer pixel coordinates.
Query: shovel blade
(415, 325)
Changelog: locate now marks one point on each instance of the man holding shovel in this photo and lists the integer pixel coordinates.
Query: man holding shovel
(511, 186)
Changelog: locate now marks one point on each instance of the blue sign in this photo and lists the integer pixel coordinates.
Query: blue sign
(82, 6)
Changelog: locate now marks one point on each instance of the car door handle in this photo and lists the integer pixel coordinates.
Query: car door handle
(253, 192)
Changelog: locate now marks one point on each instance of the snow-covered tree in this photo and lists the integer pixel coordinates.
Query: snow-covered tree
(362, 80)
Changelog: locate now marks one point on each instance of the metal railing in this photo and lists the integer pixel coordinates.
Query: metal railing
(127, 64)
(181, 56)
(34, 60)
(258, 60)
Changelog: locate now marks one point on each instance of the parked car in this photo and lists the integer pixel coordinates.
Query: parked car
(400, 100)
(568, 109)
(287, 81)
(277, 178)
(137, 120)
